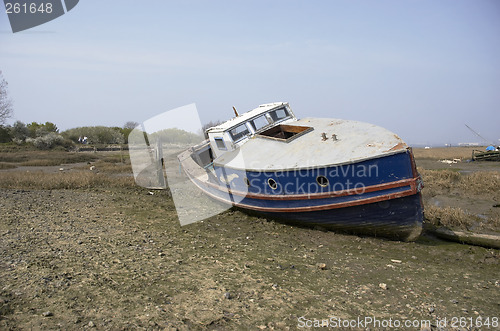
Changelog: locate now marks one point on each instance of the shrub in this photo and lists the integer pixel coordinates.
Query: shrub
(5, 134)
(176, 136)
(19, 132)
(95, 135)
(39, 129)
(48, 141)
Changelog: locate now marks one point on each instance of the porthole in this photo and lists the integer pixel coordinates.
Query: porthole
(322, 181)
(272, 183)
(246, 181)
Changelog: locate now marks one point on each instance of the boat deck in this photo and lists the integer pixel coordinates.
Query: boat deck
(331, 141)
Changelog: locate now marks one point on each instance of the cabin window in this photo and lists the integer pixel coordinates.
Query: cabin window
(220, 144)
(239, 132)
(259, 122)
(279, 114)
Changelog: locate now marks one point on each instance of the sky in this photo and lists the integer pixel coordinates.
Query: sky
(422, 69)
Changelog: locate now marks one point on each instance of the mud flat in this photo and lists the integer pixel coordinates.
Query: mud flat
(115, 257)
(460, 195)
(111, 259)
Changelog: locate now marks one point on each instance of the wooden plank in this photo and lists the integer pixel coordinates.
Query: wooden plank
(484, 240)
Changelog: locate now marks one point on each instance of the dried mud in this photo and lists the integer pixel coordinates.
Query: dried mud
(118, 259)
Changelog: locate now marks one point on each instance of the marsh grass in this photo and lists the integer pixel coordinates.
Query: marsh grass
(111, 168)
(63, 180)
(463, 153)
(14, 148)
(450, 217)
(477, 183)
(42, 163)
(117, 157)
(464, 187)
(46, 158)
(4, 165)
(455, 217)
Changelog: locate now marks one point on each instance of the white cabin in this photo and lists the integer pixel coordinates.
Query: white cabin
(231, 134)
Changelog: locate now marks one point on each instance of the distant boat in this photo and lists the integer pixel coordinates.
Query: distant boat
(337, 174)
(490, 154)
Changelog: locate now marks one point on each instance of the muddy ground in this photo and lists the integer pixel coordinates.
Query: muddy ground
(479, 205)
(118, 259)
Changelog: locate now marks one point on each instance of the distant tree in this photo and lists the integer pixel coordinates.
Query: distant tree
(95, 134)
(32, 128)
(176, 136)
(127, 128)
(5, 102)
(209, 125)
(51, 127)
(49, 140)
(130, 125)
(19, 132)
(40, 130)
(5, 134)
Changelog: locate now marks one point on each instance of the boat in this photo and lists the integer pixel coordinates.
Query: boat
(488, 155)
(335, 174)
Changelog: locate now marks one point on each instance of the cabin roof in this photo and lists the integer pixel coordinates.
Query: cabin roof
(356, 141)
(245, 117)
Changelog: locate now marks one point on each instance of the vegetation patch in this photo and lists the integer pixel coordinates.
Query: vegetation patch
(462, 200)
(450, 217)
(41, 163)
(450, 153)
(27, 157)
(457, 218)
(477, 183)
(95, 135)
(109, 168)
(63, 180)
(4, 165)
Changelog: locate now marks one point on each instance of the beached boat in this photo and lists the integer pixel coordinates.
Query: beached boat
(488, 155)
(336, 174)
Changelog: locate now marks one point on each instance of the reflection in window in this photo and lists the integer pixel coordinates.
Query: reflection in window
(279, 114)
(259, 122)
(239, 132)
(220, 143)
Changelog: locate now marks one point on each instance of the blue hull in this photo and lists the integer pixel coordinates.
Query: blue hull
(365, 173)
(383, 203)
(396, 219)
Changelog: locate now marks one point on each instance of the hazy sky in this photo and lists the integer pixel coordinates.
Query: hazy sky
(422, 69)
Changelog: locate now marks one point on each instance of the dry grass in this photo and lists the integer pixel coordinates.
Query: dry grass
(449, 217)
(116, 157)
(69, 180)
(439, 179)
(461, 188)
(111, 168)
(477, 183)
(445, 153)
(454, 217)
(45, 158)
(41, 163)
(4, 165)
